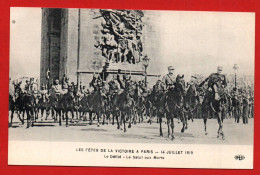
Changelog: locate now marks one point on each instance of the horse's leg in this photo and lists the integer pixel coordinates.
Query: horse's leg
(130, 117)
(12, 116)
(42, 111)
(172, 127)
(32, 116)
(121, 120)
(23, 111)
(28, 118)
(72, 115)
(98, 116)
(205, 124)
(67, 117)
(108, 117)
(150, 116)
(90, 118)
(135, 117)
(84, 116)
(117, 116)
(47, 112)
(124, 122)
(113, 119)
(168, 124)
(19, 116)
(52, 113)
(160, 121)
(59, 113)
(220, 132)
(77, 114)
(103, 123)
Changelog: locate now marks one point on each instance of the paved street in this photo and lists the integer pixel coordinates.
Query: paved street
(235, 134)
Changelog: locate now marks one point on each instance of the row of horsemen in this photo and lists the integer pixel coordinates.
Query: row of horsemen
(129, 101)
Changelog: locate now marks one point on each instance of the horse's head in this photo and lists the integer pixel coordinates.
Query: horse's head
(180, 84)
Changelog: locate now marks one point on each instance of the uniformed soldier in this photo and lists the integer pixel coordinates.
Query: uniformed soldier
(96, 83)
(158, 87)
(126, 81)
(26, 88)
(34, 86)
(169, 79)
(113, 87)
(57, 87)
(44, 90)
(216, 82)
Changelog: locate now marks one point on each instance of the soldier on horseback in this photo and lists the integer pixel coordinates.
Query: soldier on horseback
(216, 82)
(169, 79)
(30, 87)
(216, 97)
(57, 88)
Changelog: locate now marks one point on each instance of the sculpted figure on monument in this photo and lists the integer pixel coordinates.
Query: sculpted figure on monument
(121, 35)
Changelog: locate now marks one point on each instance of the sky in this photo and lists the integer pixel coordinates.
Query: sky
(193, 42)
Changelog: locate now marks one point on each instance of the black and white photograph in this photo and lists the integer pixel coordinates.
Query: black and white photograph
(131, 88)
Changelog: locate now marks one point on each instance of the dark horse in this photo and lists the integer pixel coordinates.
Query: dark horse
(173, 101)
(29, 107)
(43, 104)
(191, 100)
(214, 102)
(139, 98)
(56, 106)
(124, 103)
(23, 102)
(15, 103)
(97, 104)
(68, 104)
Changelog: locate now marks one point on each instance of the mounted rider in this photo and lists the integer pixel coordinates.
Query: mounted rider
(125, 84)
(57, 88)
(169, 79)
(44, 91)
(216, 83)
(113, 87)
(97, 83)
(30, 87)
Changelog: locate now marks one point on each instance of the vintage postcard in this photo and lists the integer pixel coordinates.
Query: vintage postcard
(131, 88)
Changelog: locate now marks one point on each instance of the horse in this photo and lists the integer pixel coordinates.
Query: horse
(16, 103)
(126, 104)
(42, 104)
(139, 98)
(113, 99)
(97, 104)
(174, 105)
(56, 106)
(191, 101)
(157, 98)
(214, 102)
(148, 103)
(68, 104)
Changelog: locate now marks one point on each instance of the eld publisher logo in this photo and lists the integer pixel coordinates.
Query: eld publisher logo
(239, 157)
